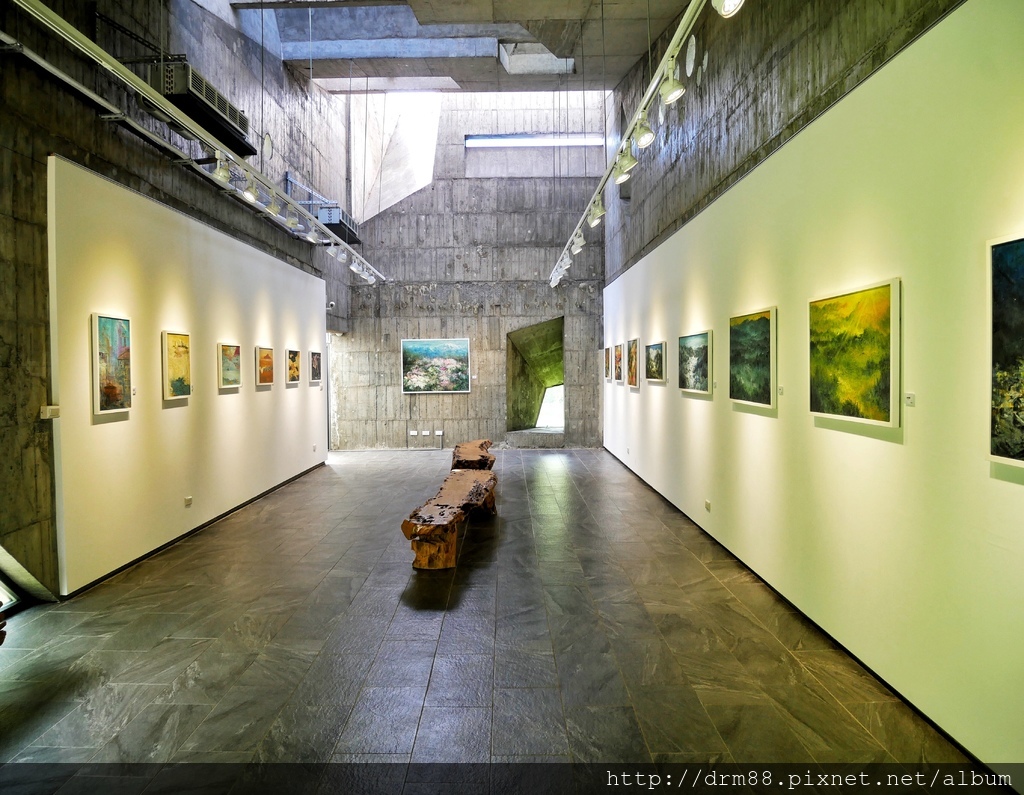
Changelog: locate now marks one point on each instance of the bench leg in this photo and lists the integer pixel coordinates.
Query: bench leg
(437, 551)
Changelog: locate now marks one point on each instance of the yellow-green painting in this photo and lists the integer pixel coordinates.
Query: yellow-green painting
(855, 355)
(177, 366)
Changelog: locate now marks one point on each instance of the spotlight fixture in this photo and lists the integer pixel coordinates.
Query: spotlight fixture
(671, 89)
(625, 161)
(355, 267)
(250, 192)
(368, 277)
(292, 220)
(274, 205)
(643, 135)
(726, 7)
(597, 211)
(313, 236)
(619, 176)
(578, 242)
(222, 173)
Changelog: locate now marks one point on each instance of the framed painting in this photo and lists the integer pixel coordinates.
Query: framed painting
(264, 366)
(752, 358)
(315, 373)
(229, 365)
(608, 363)
(432, 366)
(632, 362)
(618, 362)
(855, 355)
(654, 362)
(177, 365)
(1006, 321)
(294, 368)
(695, 358)
(111, 364)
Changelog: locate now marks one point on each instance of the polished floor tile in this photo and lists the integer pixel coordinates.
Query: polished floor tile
(588, 621)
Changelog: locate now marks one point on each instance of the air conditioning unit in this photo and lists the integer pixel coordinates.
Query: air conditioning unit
(191, 92)
(341, 223)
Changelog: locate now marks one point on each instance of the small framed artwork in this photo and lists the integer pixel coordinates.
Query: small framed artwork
(654, 362)
(608, 363)
(264, 366)
(855, 355)
(315, 375)
(618, 362)
(1006, 326)
(752, 358)
(633, 362)
(111, 364)
(435, 365)
(229, 365)
(294, 368)
(695, 358)
(177, 361)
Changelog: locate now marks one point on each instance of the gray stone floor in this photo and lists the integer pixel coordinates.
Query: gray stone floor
(589, 621)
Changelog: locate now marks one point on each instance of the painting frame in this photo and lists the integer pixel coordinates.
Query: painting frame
(420, 366)
(1005, 317)
(264, 366)
(316, 364)
(111, 341)
(706, 336)
(608, 363)
(618, 363)
(656, 366)
(633, 363)
(293, 360)
(230, 376)
(176, 365)
(762, 358)
(829, 364)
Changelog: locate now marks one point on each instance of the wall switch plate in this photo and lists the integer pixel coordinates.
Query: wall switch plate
(910, 400)
(424, 433)
(438, 433)
(188, 501)
(414, 433)
(707, 505)
(780, 390)
(314, 448)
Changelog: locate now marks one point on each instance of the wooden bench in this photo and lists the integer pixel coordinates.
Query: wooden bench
(433, 528)
(473, 455)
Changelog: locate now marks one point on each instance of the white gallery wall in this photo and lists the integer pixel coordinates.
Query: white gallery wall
(907, 545)
(122, 480)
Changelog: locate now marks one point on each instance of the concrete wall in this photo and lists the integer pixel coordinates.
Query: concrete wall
(904, 544)
(470, 257)
(772, 68)
(40, 115)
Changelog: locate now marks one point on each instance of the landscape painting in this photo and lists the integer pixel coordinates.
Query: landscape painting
(1007, 292)
(435, 366)
(315, 375)
(695, 363)
(632, 362)
(111, 364)
(294, 368)
(618, 362)
(264, 366)
(607, 362)
(177, 360)
(854, 346)
(229, 365)
(654, 361)
(752, 358)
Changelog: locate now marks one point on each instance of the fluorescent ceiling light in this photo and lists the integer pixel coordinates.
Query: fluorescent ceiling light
(532, 140)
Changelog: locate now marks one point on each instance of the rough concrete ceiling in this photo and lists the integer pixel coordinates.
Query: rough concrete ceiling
(542, 347)
(407, 43)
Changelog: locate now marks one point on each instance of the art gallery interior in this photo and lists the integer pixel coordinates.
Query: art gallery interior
(264, 264)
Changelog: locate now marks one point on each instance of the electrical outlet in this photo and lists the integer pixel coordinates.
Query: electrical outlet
(780, 390)
(910, 400)
(414, 433)
(424, 433)
(438, 433)
(188, 501)
(707, 505)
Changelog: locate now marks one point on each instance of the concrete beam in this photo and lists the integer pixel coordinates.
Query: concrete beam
(390, 48)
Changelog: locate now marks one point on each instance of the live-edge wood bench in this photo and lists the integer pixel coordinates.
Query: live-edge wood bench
(433, 528)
